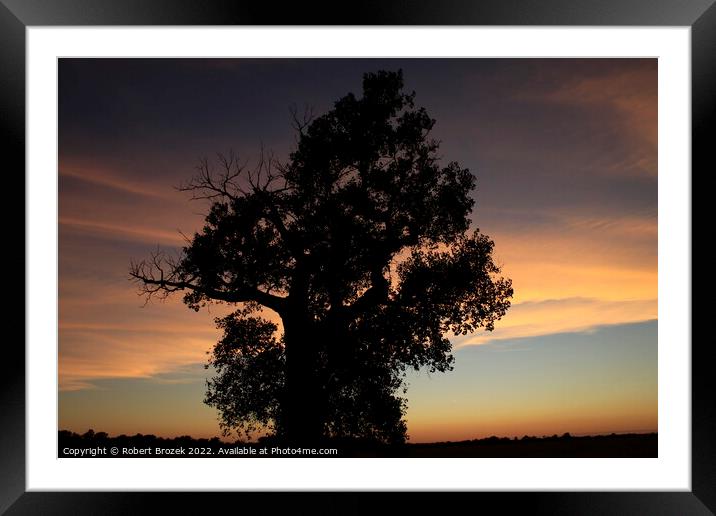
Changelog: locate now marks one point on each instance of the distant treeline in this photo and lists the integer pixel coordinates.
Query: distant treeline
(545, 438)
(90, 436)
(100, 444)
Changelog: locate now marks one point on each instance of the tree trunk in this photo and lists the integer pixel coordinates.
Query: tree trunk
(303, 417)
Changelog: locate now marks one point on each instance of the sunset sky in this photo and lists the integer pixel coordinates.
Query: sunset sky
(565, 155)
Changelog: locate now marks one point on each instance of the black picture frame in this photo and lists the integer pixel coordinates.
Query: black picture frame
(17, 15)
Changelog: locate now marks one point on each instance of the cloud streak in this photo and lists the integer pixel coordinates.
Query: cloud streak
(555, 316)
(143, 234)
(102, 178)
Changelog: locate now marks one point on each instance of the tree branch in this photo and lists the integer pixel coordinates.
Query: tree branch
(300, 122)
(377, 294)
(154, 279)
(208, 184)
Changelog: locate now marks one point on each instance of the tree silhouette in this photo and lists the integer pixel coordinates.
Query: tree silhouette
(360, 243)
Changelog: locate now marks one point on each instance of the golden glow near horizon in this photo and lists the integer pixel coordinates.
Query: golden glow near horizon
(567, 191)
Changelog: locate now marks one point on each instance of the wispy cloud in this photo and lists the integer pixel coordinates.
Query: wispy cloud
(143, 234)
(104, 355)
(629, 98)
(554, 316)
(107, 179)
(105, 333)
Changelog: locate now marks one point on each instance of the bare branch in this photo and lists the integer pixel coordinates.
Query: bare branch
(184, 237)
(159, 276)
(211, 184)
(229, 179)
(301, 121)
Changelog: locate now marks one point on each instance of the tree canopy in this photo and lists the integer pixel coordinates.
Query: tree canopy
(360, 241)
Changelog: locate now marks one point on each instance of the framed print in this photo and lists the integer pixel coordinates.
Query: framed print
(440, 249)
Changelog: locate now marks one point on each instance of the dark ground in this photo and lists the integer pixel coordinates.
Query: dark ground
(101, 445)
(626, 445)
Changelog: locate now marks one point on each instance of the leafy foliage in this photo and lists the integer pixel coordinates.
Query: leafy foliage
(249, 373)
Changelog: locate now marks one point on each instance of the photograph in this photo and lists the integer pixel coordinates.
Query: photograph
(357, 257)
